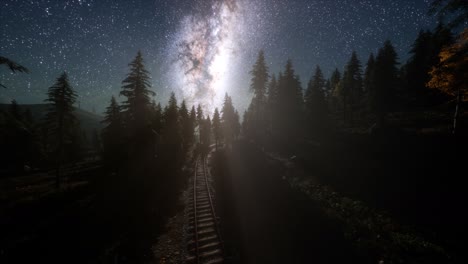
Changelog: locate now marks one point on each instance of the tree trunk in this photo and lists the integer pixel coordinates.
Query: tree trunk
(457, 110)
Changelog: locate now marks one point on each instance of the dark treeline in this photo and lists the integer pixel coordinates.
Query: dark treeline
(359, 97)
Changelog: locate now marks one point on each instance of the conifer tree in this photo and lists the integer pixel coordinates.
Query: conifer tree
(369, 79)
(228, 120)
(171, 135)
(334, 99)
(256, 124)
(351, 87)
(386, 79)
(457, 10)
(186, 125)
(137, 106)
(217, 132)
(60, 120)
(290, 105)
(315, 104)
(272, 104)
(112, 135)
(200, 115)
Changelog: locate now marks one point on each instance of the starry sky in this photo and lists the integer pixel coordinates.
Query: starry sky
(198, 49)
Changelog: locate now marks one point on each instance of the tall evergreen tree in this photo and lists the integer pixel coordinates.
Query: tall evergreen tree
(256, 123)
(228, 120)
(272, 104)
(200, 115)
(290, 105)
(315, 104)
(457, 10)
(171, 133)
(217, 131)
(369, 74)
(186, 125)
(386, 78)
(137, 106)
(351, 87)
(60, 119)
(334, 98)
(112, 135)
(420, 62)
(258, 82)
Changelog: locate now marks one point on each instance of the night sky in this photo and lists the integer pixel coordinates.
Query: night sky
(199, 49)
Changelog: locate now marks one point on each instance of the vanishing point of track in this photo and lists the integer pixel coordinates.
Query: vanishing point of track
(206, 245)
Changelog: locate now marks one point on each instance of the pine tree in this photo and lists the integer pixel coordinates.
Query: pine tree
(200, 115)
(351, 87)
(137, 106)
(60, 119)
(315, 104)
(334, 99)
(171, 135)
(187, 126)
(258, 82)
(386, 79)
(420, 62)
(217, 132)
(457, 10)
(113, 135)
(369, 74)
(424, 55)
(228, 120)
(290, 105)
(272, 104)
(256, 124)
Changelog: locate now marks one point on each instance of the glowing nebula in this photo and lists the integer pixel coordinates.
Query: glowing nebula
(205, 47)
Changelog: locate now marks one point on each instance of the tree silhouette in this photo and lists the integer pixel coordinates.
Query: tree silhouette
(315, 104)
(351, 87)
(137, 106)
(228, 120)
(112, 135)
(290, 105)
(187, 126)
(451, 74)
(13, 66)
(255, 122)
(200, 115)
(217, 131)
(60, 119)
(385, 80)
(424, 55)
(272, 105)
(335, 80)
(456, 9)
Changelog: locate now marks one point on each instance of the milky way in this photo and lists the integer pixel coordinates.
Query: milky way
(206, 43)
(198, 49)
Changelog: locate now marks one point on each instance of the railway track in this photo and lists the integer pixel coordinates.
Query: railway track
(205, 245)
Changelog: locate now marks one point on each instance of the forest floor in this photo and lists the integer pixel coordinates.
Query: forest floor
(390, 199)
(94, 218)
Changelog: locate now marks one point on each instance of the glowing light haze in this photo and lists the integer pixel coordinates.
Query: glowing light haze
(206, 44)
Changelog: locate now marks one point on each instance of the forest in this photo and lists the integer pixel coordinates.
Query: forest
(365, 165)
